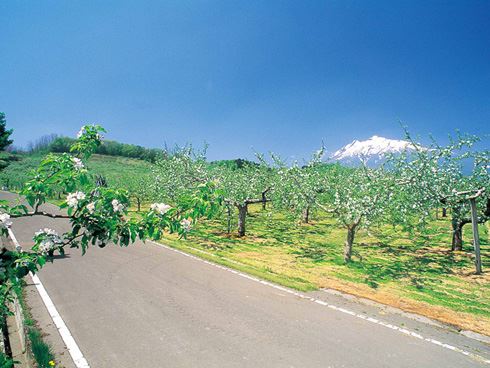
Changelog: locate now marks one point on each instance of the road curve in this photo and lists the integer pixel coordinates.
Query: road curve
(148, 306)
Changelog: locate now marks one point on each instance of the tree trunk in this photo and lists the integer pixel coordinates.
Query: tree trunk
(457, 228)
(351, 232)
(138, 202)
(242, 216)
(306, 215)
(264, 198)
(458, 221)
(228, 212)
(444, 212)
(457, 242)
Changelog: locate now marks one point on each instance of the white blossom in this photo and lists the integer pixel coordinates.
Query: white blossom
(186, 225)
(5, 220)
(50, 241)
(77, 163)
(91, 207)
(73, 198)
(46, 245)
(161, 208)
(117, 207)
(46, 231)
(81, 132)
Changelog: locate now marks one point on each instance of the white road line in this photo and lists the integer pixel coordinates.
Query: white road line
(331, 306)
(75, 352)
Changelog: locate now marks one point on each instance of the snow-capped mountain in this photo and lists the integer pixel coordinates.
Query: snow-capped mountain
(374, 147)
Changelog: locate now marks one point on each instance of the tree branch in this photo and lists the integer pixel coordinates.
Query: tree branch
(251, 201)
(478, 192)
(41, 213)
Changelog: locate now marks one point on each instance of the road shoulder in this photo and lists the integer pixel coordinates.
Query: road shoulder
(44, 323)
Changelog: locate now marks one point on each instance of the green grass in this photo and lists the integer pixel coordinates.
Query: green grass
(40, 350)
(5, 361)
(117, 169)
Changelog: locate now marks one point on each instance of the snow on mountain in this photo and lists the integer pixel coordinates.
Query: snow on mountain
(372, 147)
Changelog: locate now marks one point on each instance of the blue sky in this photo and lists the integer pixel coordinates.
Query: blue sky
(245, 76)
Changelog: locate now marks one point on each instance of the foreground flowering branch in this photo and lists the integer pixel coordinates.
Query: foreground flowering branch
(98, 215)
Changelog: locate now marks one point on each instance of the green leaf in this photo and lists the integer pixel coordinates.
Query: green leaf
(41, 261)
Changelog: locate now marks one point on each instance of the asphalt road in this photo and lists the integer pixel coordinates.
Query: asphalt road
(148, 306)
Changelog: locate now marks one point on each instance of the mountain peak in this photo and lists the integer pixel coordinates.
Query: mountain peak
(374, 146)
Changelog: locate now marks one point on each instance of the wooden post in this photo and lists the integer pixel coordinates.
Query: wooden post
(476, 236)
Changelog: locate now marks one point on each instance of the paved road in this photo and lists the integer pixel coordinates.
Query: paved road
(147, 306)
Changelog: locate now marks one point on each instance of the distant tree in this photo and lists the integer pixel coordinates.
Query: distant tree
(299, 187)
(237, 163)
(246, 184)
(61, 144)
(357, 197)
(436, 175)
(139, 188)
(42, 144)
(178, 173)
(4, 133)
(110, 148)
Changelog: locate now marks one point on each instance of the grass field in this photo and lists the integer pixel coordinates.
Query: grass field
(416, 273)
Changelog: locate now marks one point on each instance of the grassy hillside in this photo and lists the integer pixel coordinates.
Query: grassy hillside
(114, 168)
(415, 273)
(15, 174)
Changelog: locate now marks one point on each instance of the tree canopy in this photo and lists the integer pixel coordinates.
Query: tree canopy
(5, 133)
